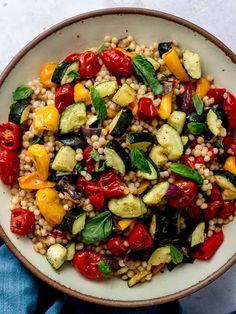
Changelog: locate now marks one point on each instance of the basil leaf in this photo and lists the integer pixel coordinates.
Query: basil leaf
(73, 74)
(104, 269)
(37, 140)
(198, 104)
(79, 167)
(146, 71)
(176, 255)
(219, 144)
(139, 161)
(95, 155)
(197, 128)
(187, 172)
(99, 106)
(101, 49)
(98, 228)
(22, 92)
(62, 173)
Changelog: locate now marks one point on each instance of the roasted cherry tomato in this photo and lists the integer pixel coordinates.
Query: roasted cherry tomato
(111, 184)
(146, 109)
(229, 106)
(217, 94)
(10, 135)
(227, 210)
(227, 142)
(98, 200)
(117, 62)
(209, 247)
(64, 97)
(9, 167)
(73, 57)
(116, 246)
(194, 211)
(212, 209)
(56, 233)
(215, 193)
(89, 64)
(89, 162)
(86, 262)
(22, 221)
(189, 189)
(140, 238)
(211, 150)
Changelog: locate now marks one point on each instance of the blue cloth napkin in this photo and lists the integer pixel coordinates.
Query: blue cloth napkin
(22, 293)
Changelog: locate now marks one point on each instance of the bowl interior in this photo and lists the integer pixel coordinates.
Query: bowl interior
(80, 35)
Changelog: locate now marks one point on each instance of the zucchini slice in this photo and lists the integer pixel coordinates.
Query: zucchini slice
(156, 65)
(116, 157)
(198, 235)
(121, 122)
(124, 96)
(73, 221)
(229, 195)
(148, 176)
(65, 159)
(91, 121)
(160, 256)
(73, 117)
(19, 112)
(225, 183)
(70, 251)
(177, 120)
(164, 47)
(157, 155)
(170, 140)
(184, 139)
(211, 122)
(192, 64)
(127, 206)
(61, 74)
(73, 139)
(56, 255)
(107, 88)
(157, 192)
(140, 140)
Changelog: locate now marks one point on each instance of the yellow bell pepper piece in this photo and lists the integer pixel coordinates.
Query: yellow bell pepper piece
(46, 118)
(230, 164)
(202, 87)
(111, 113)
(81, 93)
(41, 160)
(173, 63)
(125, 223)
(143, 186)
(33, 182)
(165, 107)
(127, 53)
(50, 206)
(46, 75)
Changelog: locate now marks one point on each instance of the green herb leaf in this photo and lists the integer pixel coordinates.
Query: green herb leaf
(37, 140)
(198, 104)
(99, 106)
(104, 269)
(62, 173)
(187, 172)
(100, 166)
(22, 92)
(197, 128)
(79, 167)
(146, 71)
(219, 144)
(176, 255)
(139, 161)
(73, 74)
(101, 49)
(95, 155)
(98, 228)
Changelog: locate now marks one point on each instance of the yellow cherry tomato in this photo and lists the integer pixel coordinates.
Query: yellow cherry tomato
(41, 160)
(173, 63)
(81, 93)
(164, 110)
(230, 164)
(33, 182)
(46, 75)
(202, 87)
(46, 118)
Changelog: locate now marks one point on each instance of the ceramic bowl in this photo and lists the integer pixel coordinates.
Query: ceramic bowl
(79, 33)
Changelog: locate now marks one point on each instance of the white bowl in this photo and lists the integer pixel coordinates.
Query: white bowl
(79, 33)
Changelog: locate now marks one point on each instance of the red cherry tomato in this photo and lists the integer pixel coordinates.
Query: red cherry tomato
(89, 162)
(117, 62)
(98, 200)
(212, 209)
(194, 211)
(73, 57)
(229, 106)
(217, 93)
(10, 135)
(56, 233)
(22, 221)
(9, 167)
(86, 262)
(215, 193)
(189, 189)
(116, 246)
(89, 64)
(227, 210)
(146, 109)
(227, 142)
(111, 184)
(64, 97)
(211, 149)
(140, 238)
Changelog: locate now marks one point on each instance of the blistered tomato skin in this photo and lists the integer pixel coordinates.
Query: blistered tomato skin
(140, 238)
(89, 64)
(189, 189)
(64, 97)
(227, 210)
(116, 246)
(22, 221)
(86, 262)
(73, 57)
(9, 167)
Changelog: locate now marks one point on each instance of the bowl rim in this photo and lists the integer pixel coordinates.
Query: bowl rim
(109, 11)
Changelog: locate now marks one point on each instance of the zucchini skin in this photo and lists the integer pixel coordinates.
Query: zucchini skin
(123, 123)
(164, 47)
(73, 139)
(68, 220)
(229, 176)
(133, 137)
(17, 110)
(113, 144)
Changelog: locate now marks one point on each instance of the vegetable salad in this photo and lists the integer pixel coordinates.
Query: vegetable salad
(121, 160)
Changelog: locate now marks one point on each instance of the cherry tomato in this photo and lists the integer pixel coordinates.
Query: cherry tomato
(146, 109)
(194, 211)
(9, 167)
(212, 209)
(215, 193)
(140, 238)
(117, 62)
(211, 149)
(22, 221)
(111, 184)
(89, 162)
(10, 135)
(73, 57)
(227, 210)
(189, 189)
(116, 246)
(186, 161)
(98, 200)
(64, 97)
(89, 64)
(86, 262)
(56, 233)
(217, 94)
(227, 142)
(229, 106)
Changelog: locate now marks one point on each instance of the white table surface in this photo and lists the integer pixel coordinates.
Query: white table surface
(21, 21)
